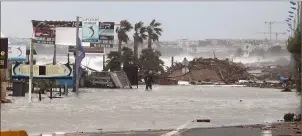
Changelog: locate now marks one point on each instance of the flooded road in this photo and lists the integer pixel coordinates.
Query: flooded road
(164, 107)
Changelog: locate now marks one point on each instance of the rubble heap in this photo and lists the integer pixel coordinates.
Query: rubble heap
(227, 71)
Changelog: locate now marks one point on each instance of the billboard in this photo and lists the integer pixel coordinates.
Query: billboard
(87, 49)
(66, 36)
(42, 71)
(106, 33)
(90, 30)
(3, 53)
(45, 31)
(17, 52)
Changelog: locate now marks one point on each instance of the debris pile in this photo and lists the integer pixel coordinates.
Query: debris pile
(209, 69)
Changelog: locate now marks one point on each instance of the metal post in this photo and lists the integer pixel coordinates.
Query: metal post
(54, 59)
(76, 57)
(172, 61)
(270, 31)
(30, 85)
(104, 60)
(65, 88)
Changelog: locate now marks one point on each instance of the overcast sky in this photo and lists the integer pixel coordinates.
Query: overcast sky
(191, 20)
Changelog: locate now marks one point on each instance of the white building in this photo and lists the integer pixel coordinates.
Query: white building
(186, 43)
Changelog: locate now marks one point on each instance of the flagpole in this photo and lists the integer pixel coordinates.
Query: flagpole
(77, 58)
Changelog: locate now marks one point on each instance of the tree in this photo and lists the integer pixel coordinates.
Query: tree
(294, 47)
(122, 34)
(154, 31)
(150, 60)
(113, 62)
(127, 56)
(139, 36)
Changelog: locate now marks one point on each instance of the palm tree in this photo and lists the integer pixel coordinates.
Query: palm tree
(139, 36)
(153, 32)
(125, 27)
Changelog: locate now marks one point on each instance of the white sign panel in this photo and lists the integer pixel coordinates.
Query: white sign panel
(17, 52)
(67, 36)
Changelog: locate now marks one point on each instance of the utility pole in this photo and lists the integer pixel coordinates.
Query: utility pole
(270, 27)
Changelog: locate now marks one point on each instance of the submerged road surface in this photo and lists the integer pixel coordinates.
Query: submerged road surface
(165, 107)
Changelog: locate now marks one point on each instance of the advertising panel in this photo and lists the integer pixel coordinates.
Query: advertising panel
(17, 52)
(45, 31)
(90, 30)
(107, 34)
(42, 71)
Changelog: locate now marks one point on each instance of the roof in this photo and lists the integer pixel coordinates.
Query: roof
(3, 36)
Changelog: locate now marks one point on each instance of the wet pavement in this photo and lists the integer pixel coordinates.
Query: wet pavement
(165, 107)
(222, 131)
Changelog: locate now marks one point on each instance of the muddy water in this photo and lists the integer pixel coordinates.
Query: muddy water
(163, 107)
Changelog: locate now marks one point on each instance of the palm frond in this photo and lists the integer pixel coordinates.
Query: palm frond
(150, 31)
(158, 29)
(126, 25)
(154, 37)
(138, 26)
(157, 24)
(125, 38)
(144, 36)
(152, 22)
(143, 30)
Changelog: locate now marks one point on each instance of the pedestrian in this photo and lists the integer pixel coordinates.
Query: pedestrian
(149, 80)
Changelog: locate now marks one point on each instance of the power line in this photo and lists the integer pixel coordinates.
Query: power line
(270, 23)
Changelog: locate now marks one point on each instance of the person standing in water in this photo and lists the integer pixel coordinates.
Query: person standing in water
(149, 80)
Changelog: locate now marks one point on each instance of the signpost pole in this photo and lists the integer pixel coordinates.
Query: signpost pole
(77, 59)
(30, 85)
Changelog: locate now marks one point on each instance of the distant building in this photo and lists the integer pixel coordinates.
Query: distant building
(188, 45)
